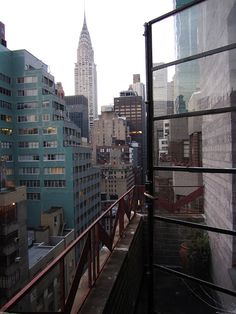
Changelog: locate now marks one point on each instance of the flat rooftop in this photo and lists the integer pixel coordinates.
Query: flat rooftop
(37, 252)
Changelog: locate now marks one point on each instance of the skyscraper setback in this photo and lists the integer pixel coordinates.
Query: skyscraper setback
(86, 73)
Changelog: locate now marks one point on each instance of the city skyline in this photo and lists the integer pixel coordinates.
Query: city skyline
(53, 36)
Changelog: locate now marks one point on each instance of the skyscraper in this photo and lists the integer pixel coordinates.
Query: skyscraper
(86, 73)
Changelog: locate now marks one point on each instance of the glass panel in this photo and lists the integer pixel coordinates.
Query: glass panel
(204, 141)
(200, 28)
(201, 84)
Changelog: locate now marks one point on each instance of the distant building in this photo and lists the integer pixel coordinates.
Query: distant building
(132, 106)
(78, 112)
(13, 242)
(137, 86)
(86, 73)
(113, 153)
(2, 35)
(108, 129)
(45, 243)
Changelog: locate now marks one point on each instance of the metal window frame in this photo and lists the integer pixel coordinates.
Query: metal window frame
(151, 168)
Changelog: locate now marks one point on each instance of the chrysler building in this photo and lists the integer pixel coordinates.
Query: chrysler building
(86, 73)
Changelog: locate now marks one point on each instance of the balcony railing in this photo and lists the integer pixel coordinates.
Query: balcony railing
(72, 274)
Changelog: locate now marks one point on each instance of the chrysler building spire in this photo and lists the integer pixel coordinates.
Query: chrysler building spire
(86, 73)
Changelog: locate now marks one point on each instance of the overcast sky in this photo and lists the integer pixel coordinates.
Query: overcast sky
(50, 30)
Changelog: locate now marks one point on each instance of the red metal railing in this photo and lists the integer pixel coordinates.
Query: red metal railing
(93, 247)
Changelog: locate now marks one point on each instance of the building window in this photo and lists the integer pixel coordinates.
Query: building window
(45, 104)
(50, 144)
(54, 183)
(26, 105)
(28, 144)
(54, 157)
(46, 117)
(29, 170)
(33, 196)
(27, 79)
(6, 158)
(186, 149)
(5, 91)
(6, 131)
(28, 157)
(27, 92)
(6, 118)
(30, 183)
(5, 104)
(28, 131)
(9, 171)
(54, 170)
(5, 78)
(50, 130)
(6, 144)
(28, 118)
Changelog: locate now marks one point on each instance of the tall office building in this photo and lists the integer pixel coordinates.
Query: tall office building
(77, 106)
(86, 73)
(138, 86)
(132, 106)
(41, 146)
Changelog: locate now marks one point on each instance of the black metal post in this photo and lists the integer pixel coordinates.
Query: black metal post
(149, 177)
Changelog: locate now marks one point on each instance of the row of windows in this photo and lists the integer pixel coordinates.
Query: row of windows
(6, 144)
(27, 79)
(28, 157)
(36, 170)
(28, 144)
(81, 156)
(28, 131)
(33, 196)
(5, 78)
(49, 144)
(5, 104)
(6, 158)
(31, 105)
(5, 91)
(26, 105)
(5, 118)
(87, 179)
(34, 118)
(31, 131)
(27, 92)
(29, 170)
(28, 118)
(47, 157)
(47, 183)
(69, 132)
(54, 170)
(6, 131)
(71, 143)
(54, 183)
(57, 157)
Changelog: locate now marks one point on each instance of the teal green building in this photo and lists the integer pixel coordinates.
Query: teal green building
(40, 147)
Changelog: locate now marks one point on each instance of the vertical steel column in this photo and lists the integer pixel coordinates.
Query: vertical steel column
(149, 177)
